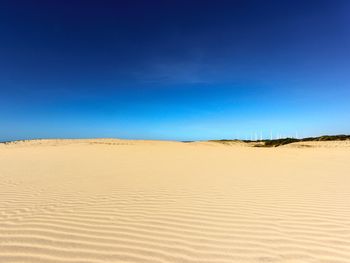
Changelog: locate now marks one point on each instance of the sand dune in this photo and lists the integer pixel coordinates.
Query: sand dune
(146, 201)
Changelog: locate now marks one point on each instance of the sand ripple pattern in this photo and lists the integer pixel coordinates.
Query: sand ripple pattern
(95, 202)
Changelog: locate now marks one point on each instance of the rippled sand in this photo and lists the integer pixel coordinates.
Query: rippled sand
(146, 201)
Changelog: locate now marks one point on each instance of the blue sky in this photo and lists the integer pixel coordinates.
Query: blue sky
(182, 70)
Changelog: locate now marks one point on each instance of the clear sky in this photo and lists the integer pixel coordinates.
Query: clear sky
(173, 69)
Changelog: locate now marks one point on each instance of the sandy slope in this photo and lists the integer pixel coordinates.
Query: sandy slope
(143, 201)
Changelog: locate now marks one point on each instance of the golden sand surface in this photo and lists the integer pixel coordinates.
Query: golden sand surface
(106, 200)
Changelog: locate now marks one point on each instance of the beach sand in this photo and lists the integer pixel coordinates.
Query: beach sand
(110, 200)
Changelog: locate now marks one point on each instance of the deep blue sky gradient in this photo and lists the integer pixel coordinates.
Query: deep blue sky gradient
(179, 70)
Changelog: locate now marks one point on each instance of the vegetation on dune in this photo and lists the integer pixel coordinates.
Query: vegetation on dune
(341, 137)
(279, 142)
(224, 141)
(284, 141)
